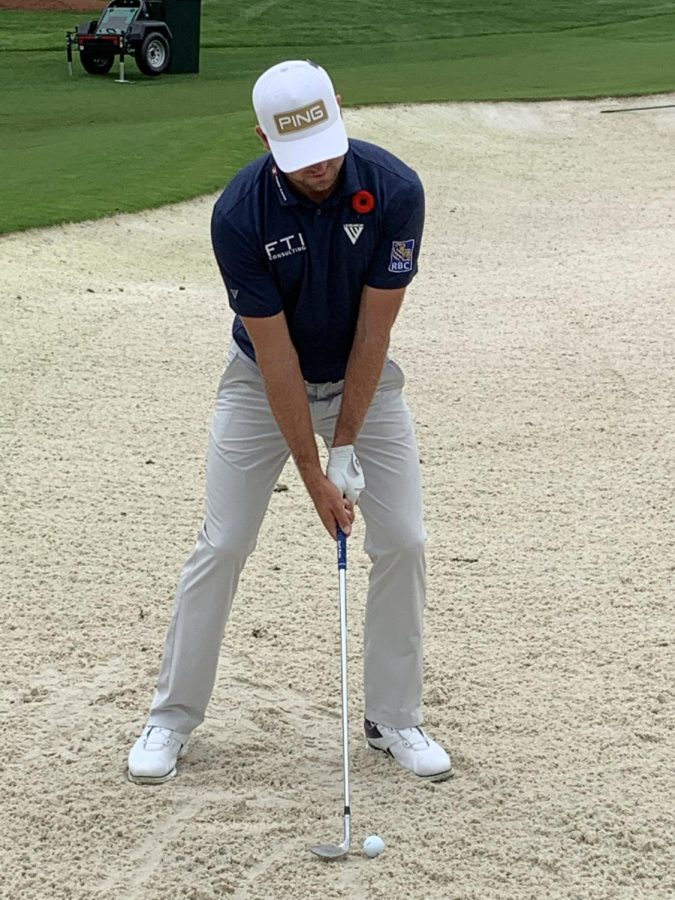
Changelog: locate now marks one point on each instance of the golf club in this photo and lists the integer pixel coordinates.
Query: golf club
(335, 851)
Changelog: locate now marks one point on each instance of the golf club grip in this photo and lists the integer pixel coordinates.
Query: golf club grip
(341, 548)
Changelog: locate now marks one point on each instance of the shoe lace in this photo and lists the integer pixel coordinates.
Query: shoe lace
(415, 738)
(158, 736)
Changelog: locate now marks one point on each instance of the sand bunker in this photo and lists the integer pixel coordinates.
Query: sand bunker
(538, 344)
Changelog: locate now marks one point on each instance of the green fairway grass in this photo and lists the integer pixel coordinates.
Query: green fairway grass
(83, 147)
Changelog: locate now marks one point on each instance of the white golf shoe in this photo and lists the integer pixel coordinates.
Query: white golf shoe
(153, 757)
(412, 748)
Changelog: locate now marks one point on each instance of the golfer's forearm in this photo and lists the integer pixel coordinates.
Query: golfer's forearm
(287, 397)
(364, 369)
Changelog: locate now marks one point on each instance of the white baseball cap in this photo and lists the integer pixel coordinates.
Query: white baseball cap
(297, 110)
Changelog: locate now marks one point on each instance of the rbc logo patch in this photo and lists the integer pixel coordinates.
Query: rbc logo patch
(401, 259)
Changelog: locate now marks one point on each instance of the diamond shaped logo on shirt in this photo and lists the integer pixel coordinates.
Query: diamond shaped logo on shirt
(353, 232)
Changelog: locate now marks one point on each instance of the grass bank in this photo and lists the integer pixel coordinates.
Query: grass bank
(83, 147)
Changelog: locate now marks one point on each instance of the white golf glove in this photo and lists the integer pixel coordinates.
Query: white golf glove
(344, 471)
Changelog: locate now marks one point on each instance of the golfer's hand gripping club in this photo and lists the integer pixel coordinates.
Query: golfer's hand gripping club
(344, 471)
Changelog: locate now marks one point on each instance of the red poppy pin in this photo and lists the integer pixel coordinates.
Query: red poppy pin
(363, 202)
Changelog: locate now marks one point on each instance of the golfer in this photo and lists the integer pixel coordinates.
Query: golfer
(316, 241)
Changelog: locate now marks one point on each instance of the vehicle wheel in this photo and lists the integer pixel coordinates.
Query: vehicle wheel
(97, 60)
(154, 54)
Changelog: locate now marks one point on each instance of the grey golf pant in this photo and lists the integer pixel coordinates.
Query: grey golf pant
(246, 455)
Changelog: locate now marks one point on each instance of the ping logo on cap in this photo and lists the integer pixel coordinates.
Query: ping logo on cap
(301, 118)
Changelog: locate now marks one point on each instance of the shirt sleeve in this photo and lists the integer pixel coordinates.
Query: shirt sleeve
(394, 263)
(251, 290)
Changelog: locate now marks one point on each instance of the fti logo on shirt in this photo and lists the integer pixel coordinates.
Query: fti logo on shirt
(285, 246)
(401, 259)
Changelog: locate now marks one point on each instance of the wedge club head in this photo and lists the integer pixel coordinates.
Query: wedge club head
(330, 852)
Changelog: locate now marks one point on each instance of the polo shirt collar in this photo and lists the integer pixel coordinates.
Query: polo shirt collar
(350, 182)
(283, 191)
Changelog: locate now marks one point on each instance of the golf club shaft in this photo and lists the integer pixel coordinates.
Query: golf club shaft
(342, 575)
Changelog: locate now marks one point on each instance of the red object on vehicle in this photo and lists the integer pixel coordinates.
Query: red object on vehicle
(363, 202)
(83, 38)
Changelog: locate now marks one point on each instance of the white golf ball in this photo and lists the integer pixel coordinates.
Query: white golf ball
(373, 845)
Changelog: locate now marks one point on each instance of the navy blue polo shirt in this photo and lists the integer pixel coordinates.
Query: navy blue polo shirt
(278, 251)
